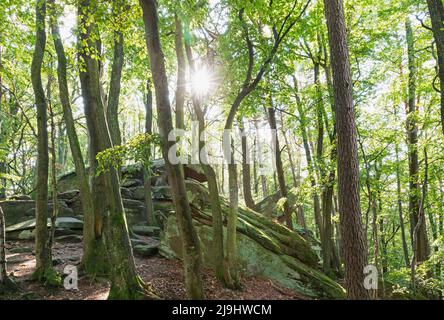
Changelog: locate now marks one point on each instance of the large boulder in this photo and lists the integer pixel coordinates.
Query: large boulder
(256, 260)
(17, 210)
(265, 248)
(25, 230)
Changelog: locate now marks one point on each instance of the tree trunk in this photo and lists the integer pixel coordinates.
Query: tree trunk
(405, 249)
(422, 250)
(125, 283)
(55, 203)
(180, 89)
(353, 244)
(246, 170)
(191, 246)
(151, 219)
(218, 237)
(436, 10)
(311, 173)
(279, 166)
(263, 178)
(42, 250)
(89, 254)
(289, 154)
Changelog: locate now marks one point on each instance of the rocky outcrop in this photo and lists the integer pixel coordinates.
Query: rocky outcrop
(265, 248)
(65, 226)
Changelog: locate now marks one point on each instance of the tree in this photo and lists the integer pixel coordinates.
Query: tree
(89, 259)
(6, 283)
(279, 167)
(436, 10)
(125, 283)
(191, 246)
(218, 236)
(352, 236)
(112, 111)
(44, 271)
(422, 248)
(151, 219)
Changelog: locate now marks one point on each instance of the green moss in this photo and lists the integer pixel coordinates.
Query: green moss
(48, 276)
(132, 290)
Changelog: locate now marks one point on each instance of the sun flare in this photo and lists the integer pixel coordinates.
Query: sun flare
(201, 81)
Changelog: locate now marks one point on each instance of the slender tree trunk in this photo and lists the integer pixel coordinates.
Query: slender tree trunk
(279, 166)
(422, 250)
(89, 254)
(289, 154)
(218, 237)
(2, 131)
(125, 283)
(353, 244)
(112, 111)
(246, 170)
(180, 89)
(42, 250)
(55, 203)
(311, 173)
(6, 283)
(191, 246)
(436, 10)
(151, 219)
(263, 178)
(405, 249)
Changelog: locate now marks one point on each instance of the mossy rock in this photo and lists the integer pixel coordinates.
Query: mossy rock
(257, 258)
(146, 250)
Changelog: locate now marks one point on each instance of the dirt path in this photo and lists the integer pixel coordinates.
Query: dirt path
(166, 277)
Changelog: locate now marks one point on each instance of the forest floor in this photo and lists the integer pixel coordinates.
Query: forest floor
(164, 275)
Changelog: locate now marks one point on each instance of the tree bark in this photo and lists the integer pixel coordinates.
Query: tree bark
(279, 166)
(353, 245)
(181, 85)
(191, 246)
(309, 158)
(246, 170)
(42, 250)
(422, 250)
(436, 10)
(218, 237)
(89, 254)
(112, 110)
(151, 219)
(55, 203)
(405, 249)
(125, 283)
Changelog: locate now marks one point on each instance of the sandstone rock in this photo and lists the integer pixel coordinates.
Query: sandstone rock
(146, 250)
(126, 193)
(150, 231)
(128, 183)
(20, 197)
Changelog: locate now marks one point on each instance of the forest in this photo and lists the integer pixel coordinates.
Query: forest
(221, 149)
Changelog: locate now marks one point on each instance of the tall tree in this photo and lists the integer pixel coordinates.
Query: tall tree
(89, 262)
(181, 85)
(190, 242)
(217, 218)
(353, 245)
(42, 250)
(422, 247)
(436, 10)
(151, 219)
(125, 283)
(279, 166)
(112, 110)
